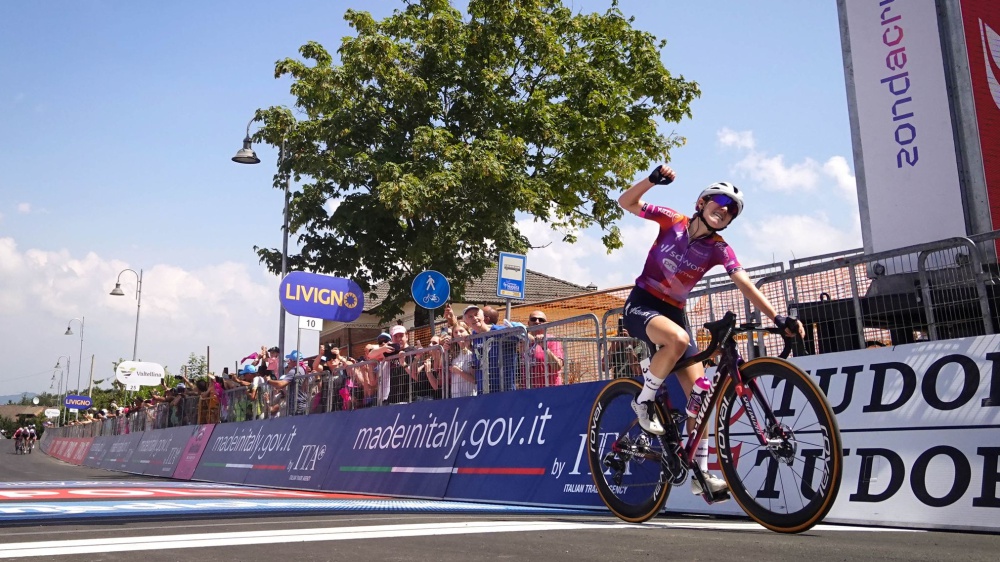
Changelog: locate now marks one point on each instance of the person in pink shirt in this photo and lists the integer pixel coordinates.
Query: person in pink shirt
(545, 356)
(684, 250)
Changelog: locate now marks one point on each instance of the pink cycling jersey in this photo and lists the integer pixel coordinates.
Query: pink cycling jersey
(675, 264)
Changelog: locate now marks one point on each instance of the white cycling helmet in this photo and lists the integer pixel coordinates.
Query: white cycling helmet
(724, 188)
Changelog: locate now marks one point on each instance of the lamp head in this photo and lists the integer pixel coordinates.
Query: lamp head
(246, 155)
(68, 332)
(117, 291)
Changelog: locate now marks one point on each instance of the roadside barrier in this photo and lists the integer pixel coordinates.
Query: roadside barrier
(918, 423)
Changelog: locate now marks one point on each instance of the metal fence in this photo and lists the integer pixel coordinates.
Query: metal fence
(848, 300)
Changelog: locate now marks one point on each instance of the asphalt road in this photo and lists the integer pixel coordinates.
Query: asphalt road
(414, 535)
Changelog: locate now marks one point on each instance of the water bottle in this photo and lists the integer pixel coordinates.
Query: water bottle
(698, 392)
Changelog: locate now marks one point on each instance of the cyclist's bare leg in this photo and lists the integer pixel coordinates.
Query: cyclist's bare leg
(673, 341)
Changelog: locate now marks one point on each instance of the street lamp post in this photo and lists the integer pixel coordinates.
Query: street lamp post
(62, 387)
(79, 363)
(246, 155)
(117, 291)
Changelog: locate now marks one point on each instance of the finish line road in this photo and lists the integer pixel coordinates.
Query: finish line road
(49, 509)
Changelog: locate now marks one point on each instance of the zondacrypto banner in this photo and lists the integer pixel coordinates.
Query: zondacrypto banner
(918, 422)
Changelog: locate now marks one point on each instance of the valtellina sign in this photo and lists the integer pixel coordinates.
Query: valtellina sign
(134, 374)
(321, 296)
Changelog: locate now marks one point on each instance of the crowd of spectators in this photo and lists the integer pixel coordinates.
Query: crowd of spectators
(462, 359)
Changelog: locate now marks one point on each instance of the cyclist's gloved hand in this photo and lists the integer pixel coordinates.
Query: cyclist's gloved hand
(658, 177)
(791, 326)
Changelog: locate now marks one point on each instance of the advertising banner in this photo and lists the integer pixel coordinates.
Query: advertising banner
(919, 427)
(193, 450)
(159, 451)
(286, 452)
(904, 148)
(69, 449)
(120, 451)
(98, 448)
(393, 449)
(321, 296)
(919, 430)
(981, 22)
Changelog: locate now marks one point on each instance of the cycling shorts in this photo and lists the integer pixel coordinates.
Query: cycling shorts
(641, 307)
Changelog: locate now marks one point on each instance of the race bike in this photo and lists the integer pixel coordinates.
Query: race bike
(776, 437)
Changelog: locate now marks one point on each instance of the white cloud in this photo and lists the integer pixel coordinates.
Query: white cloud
(736, 139)
(838, 169)
(781, 238)
(227, 307)
(24, 208)
(587, 261)
(774, 175)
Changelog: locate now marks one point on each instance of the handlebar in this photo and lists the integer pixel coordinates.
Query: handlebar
(789, 341)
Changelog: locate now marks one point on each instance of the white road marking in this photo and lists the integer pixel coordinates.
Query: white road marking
(206, 540)
(158, 542)
(746, 526)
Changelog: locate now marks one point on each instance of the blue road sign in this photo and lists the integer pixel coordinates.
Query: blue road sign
(511, 272)
(430, 289)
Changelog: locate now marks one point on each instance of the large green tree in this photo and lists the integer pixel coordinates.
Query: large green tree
(437, 127)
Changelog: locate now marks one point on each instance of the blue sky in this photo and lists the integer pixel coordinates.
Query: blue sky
(119, 120)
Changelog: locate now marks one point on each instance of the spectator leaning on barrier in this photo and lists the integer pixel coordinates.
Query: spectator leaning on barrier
(379, 352)
(545, 356)
(462, 371)
(256, 392)
(476, 321)
(427, 373)
(293, 385)
(501, 364)
(400, 367)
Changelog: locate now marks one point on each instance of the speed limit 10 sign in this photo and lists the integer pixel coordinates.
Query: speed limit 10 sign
(307, 323)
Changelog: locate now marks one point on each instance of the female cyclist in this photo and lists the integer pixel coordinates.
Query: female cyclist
(684, 250)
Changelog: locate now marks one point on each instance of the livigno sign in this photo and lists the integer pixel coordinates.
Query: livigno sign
(321, 296)
(75, 402)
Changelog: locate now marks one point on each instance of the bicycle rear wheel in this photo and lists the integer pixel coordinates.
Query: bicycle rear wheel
(624, 459)
(789, 485)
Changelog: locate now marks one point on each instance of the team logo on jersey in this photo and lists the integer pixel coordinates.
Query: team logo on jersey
(669, 265)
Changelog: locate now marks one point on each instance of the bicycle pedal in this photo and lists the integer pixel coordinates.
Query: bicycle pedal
(718, 497)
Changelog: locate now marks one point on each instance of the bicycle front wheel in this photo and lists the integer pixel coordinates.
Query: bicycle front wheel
(789, 484)
(624, 459)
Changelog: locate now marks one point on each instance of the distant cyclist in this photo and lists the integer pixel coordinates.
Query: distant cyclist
(684, 250)
(31, 438)
(19, 436)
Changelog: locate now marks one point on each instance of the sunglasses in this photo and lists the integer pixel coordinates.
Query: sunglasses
(536, 319)
(726, 201)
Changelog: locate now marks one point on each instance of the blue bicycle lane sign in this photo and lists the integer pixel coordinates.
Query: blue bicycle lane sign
(430, 289)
